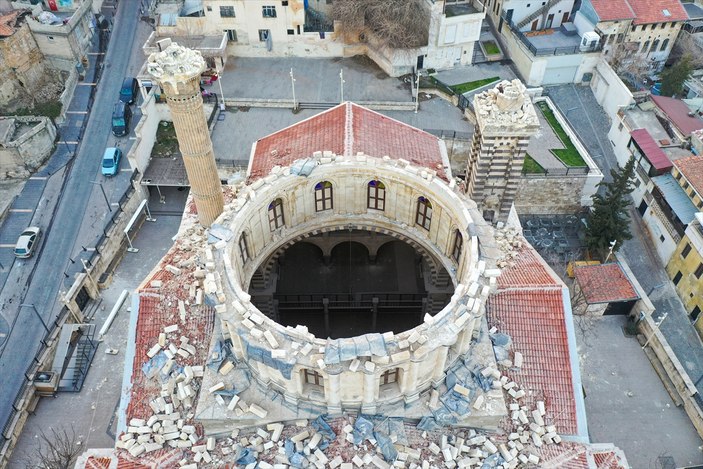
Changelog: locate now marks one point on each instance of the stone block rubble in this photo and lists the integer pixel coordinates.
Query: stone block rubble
(509, 242)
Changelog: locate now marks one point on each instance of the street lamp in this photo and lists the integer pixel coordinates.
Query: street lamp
(292, 82)
(25, 305)
(610, 251)
(341, 85)
(104, 195)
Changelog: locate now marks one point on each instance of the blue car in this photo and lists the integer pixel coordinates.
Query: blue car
(111, 161)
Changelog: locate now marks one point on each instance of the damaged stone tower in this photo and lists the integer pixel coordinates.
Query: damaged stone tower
(177, 69)
(505, 121)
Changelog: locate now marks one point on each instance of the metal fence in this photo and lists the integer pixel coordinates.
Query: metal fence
(546, 51)
(566, 171)
(455, 134)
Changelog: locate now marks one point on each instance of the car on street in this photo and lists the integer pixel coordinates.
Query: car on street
(111, 161)
(121, 116)
(27, 242)
(128, 91)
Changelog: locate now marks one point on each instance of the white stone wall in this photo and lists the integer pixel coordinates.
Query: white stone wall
(609, 90)
(421, 354)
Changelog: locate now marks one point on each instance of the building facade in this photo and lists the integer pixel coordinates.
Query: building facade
(685, 269)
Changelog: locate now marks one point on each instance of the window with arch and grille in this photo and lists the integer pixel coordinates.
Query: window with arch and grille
(423, 216)
(458, 245)
(243, 248)
(323, 196)
(276, 219)
(377, 195)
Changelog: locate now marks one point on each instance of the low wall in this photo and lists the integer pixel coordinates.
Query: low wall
(288, 104)
(25, 153)
(67, 94)
(674, 370)
(542, 194)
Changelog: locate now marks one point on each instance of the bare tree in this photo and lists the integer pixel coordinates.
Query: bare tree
(56, 450)
(398, 24)
(626, 60)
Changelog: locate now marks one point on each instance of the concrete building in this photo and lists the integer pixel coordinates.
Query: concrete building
(63, 31)
(260, 28)
(505, 121)
(646, 30)
(685, 269)
(528, 15)
(21, 62)
(177, 70)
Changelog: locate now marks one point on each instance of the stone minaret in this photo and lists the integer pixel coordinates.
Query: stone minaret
(505, 121)
(178, 69)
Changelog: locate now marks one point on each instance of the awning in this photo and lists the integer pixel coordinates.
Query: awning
(676, 197)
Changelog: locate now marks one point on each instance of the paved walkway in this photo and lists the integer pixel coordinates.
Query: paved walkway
(544, 141)
(592, 124)
(626, 403)
(316, 80)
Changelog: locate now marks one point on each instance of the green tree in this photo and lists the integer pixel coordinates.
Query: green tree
(674, 76)
(609, 219)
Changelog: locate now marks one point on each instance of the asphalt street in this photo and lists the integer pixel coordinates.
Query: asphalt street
(76, 195)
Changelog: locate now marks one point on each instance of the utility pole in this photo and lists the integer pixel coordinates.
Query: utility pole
(104, 195)
(341, 85)
(292, 83)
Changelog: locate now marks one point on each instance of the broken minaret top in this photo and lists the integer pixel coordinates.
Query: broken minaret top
(176, 64)
(506, 109)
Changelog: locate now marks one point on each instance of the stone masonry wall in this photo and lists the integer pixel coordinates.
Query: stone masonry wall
(547, 195)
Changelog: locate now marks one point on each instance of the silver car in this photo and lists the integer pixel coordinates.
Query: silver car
(27, 242)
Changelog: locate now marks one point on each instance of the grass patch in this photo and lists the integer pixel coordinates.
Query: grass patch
(491, 48)
(166, 143)
(462, 88)
(432, 82)
(568, 155)
(51, 109)
(530, 166)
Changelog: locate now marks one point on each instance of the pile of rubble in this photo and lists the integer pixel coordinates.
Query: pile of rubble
(509, 242)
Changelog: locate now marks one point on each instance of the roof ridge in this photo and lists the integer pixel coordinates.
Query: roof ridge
(348, 131)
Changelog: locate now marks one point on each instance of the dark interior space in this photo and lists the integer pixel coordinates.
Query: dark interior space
(350, 293)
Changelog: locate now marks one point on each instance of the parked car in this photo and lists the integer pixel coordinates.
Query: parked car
(27, 242)
(111, 161)
(128, 92)
(121, 117)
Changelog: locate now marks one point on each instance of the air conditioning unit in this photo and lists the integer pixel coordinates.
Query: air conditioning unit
(589, 41)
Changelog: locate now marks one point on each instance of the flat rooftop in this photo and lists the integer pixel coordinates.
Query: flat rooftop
(553, 39)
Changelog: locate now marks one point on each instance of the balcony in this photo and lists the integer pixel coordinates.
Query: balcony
(550, 41)
(459, 9)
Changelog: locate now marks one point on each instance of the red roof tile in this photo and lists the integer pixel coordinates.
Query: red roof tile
(608, 460)
(345, 130)
(677, 111)
(655, 11)
(692, 169)
(605, 283)
(566, 455)
(528, 270)
(8, 23)
(651, 150)
(611, 10)
(98, 463)
(535, 320)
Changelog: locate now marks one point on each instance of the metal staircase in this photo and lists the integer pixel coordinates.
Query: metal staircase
(537, 13)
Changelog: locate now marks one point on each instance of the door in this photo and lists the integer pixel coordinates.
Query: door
(642, 208)
(534, 25)
(420, 60)
(565, 18)
(550, 20)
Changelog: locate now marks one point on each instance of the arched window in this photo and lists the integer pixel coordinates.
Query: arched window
(665, 44)
(458, 245)
(323, 196)
(655, 45)
(377, 195)
(276, 219)
(243, 248)
(423, 217)
(645, 47)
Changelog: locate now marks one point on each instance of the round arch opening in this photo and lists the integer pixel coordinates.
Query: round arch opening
(348, 283)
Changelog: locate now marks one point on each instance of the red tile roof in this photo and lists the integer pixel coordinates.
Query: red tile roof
(8, 23)
(692, 169)
(528, 270)
(345, 130)
(651, 150)
(608, 460)
(98, 463)
(654, 11)
(535, 320)
(677, 111)
(566, 455)
(605, 283)
(611, 10)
